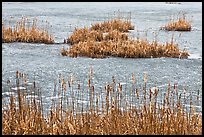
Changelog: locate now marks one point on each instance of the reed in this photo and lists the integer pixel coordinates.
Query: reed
(22, 31)
(181, 24)
(147, 116)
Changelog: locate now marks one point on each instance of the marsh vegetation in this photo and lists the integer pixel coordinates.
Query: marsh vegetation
(108, 115)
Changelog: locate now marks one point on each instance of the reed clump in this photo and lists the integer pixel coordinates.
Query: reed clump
(115, 24)
(22, 31)
(110, 114)
(114, 29)
(178, 25)
(125, 49)
(121, 47)
(84, 34)
(110, 39)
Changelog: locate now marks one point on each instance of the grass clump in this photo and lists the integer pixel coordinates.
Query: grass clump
(109, 30)
(106, 112)
(110, 38)
(115, 24)
(125, 49)
(84, 34)
(24, 32)
(178, 25)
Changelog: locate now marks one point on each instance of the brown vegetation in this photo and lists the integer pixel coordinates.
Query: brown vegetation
(110, 39)
(125, 49)
(82, 35)
(151, 117)
(22, 32)
(115, 24)
(109, 30)
(179, 25)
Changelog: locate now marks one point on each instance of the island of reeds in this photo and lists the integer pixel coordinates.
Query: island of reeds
(181, 24)
(107, 115)
(110, 38)
(23, 31)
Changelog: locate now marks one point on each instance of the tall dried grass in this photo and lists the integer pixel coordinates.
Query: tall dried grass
(114, 116)
(23, 32)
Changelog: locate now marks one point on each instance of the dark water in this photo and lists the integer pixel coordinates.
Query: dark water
(44, 63)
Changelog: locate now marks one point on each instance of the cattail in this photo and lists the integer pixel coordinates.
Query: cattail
(17, 74)
(89, 83)
(133, 79)
(136, 93)
(63, 84)
(174, 87)
(145, 77)
(198, 95)
(72, 79)
(109, 88)
(91, 72)
(113, 103)
(120, 86)
(24, 79)
(69, 83)
(78, 86)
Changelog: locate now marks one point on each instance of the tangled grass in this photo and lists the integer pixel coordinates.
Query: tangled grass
(25, 116)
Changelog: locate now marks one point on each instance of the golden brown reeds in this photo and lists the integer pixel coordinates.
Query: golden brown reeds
(125, 49)
(23, 32)
(108, 39)
(115, 24)
(178, 25)
(82, 35)
(97, 31)
(149, 117)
